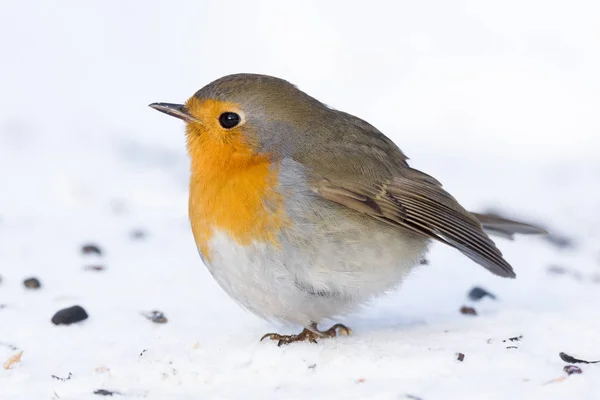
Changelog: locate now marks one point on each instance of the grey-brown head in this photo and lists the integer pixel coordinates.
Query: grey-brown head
(271, 114)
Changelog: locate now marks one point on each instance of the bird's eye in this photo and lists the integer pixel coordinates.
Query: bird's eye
(228, 120)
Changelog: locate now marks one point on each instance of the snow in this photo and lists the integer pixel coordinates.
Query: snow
(498, 101)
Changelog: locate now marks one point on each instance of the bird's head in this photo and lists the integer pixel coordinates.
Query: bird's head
(249, 114)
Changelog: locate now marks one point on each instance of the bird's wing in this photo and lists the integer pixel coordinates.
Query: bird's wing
(413, 200)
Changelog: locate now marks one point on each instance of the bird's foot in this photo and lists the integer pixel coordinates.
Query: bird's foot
(303, 336)
(309, 334)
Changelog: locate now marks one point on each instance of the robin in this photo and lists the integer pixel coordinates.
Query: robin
(302, 212)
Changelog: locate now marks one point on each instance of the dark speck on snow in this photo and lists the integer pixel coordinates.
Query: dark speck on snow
(70, 315)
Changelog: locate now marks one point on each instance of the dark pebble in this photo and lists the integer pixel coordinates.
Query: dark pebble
(570, 359)
(32, 283)
(468, 310)
(70, 315)
(157, 317)
(460, 357)
(513, 339)
(94, 268)
(91, 248)
(104, 392)
(478, 293)
(511, 347)
(572, 369)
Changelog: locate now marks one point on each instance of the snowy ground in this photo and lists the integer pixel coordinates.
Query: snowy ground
(498, 102)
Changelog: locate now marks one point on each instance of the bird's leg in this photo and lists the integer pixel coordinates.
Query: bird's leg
(310, 334)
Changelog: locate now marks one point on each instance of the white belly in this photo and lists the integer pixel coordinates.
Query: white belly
(309, 278)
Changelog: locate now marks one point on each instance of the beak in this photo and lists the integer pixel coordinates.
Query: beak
(174, 110)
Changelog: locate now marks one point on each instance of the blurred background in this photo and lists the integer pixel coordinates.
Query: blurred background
(498, 100)
(508, 84)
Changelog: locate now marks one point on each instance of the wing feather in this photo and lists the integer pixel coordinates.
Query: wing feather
(417, 202)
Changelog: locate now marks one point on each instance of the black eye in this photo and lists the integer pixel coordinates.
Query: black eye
(228, 120)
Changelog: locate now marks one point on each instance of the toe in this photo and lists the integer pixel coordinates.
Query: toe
(272, 336)
(337, 329)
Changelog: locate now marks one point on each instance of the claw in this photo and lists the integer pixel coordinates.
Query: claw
(272, 336)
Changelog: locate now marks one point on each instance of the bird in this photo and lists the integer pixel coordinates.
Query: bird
(302, 212)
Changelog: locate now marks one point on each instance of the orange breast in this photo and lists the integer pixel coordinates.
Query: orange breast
(232, 190)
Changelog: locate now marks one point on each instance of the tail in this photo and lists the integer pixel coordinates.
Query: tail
(496, 225)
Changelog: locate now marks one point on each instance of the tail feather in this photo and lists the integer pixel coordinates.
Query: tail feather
(496, 225)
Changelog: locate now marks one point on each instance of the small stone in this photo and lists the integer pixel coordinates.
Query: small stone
(468, 310)
(96, 268)
(513, 339)
(511, 347)
(90, 248)
(424, 261)
(70, 315)
(157, 317)
(478, 293)
(460, 357)
(570, 359)
(572, 369)
(104, 392)
(32, 283)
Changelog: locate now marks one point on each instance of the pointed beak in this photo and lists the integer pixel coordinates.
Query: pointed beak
(174, 110)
